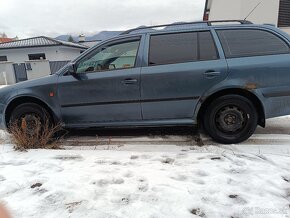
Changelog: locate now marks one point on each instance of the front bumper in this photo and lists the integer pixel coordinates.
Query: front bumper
(2, 117)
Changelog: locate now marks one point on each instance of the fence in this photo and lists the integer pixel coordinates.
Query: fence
(11, 73)
(57, 65)
(7, 75)
(20, 72)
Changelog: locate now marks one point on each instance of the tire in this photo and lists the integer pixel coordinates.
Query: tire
(230, 119)
(30, 109)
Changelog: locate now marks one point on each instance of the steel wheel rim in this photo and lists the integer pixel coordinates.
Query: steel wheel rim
(231, 119)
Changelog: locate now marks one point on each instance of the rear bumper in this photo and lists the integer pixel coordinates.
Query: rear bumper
(2, 117)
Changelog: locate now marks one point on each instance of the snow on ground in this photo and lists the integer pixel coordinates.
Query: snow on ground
(152, 180)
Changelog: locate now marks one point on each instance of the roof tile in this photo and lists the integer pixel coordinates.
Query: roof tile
(39, 41)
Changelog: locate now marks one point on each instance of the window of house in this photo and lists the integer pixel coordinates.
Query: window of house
(181, 47)
(111, 56)
(243, 43)
(3, 58)
(284, 15)
(39, 56)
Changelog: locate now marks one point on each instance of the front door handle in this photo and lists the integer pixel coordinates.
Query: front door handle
(211, 74)
(129, 81)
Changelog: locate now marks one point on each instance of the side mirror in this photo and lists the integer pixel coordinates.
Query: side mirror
(71, 69)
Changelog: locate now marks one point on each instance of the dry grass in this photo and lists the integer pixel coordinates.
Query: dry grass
(42, 136)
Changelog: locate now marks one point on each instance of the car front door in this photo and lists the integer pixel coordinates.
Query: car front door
(181, 67)
(105, 87)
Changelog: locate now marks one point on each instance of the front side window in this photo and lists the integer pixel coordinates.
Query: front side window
(109, 57)
(244, 43)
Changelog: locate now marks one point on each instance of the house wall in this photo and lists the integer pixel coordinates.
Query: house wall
(266, 12)
(52, 53)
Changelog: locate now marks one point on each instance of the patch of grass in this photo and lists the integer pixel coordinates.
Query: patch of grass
(38, 136)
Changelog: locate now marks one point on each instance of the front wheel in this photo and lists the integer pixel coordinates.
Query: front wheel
(30, 116)
(230, 119)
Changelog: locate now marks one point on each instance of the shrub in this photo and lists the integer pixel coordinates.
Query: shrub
(39, 135)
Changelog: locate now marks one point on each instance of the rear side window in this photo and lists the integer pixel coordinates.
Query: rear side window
(244, 43)
(207, 48)
(181, 47)
(173, 48)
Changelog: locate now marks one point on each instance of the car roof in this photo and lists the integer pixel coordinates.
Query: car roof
(182, 27)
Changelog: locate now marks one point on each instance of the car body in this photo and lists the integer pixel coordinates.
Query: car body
(164, 90)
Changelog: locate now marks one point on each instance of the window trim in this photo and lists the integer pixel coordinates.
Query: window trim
(111, 43)
(258, 29)
(198, 47)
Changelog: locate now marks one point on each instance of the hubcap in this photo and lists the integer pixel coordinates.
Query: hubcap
(231, 119)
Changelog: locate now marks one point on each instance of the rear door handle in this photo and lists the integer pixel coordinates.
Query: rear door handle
(129, 81)
(211, 74)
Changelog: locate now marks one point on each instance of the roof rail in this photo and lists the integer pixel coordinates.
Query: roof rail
(209, 23)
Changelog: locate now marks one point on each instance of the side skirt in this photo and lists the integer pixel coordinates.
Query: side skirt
(132, 124)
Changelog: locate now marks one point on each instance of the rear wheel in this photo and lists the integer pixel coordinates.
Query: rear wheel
(29, 116)
(230, 119)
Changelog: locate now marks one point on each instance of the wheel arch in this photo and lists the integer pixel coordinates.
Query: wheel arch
(238, 91)
(27, 99)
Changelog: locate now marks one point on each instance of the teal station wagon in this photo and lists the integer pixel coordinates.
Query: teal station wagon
(227, 76)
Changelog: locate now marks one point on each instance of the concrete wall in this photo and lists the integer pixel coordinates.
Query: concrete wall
(39, 68)
(266, 12)
(7, 75)
(52, 53)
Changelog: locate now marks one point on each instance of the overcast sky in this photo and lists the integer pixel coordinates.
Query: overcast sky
(28, 18)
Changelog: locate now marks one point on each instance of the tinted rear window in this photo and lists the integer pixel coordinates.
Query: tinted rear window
(207, 47)
(181, 48)
(243, 43)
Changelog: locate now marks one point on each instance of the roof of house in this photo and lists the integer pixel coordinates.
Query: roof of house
(40, 41)
(2, 39)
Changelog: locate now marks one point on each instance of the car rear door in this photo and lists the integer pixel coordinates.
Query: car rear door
(180, 67)
(106, 87)
(259, 58)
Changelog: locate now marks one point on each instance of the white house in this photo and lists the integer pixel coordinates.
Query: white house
(39, 48)
(276, 12)
(35, 57)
